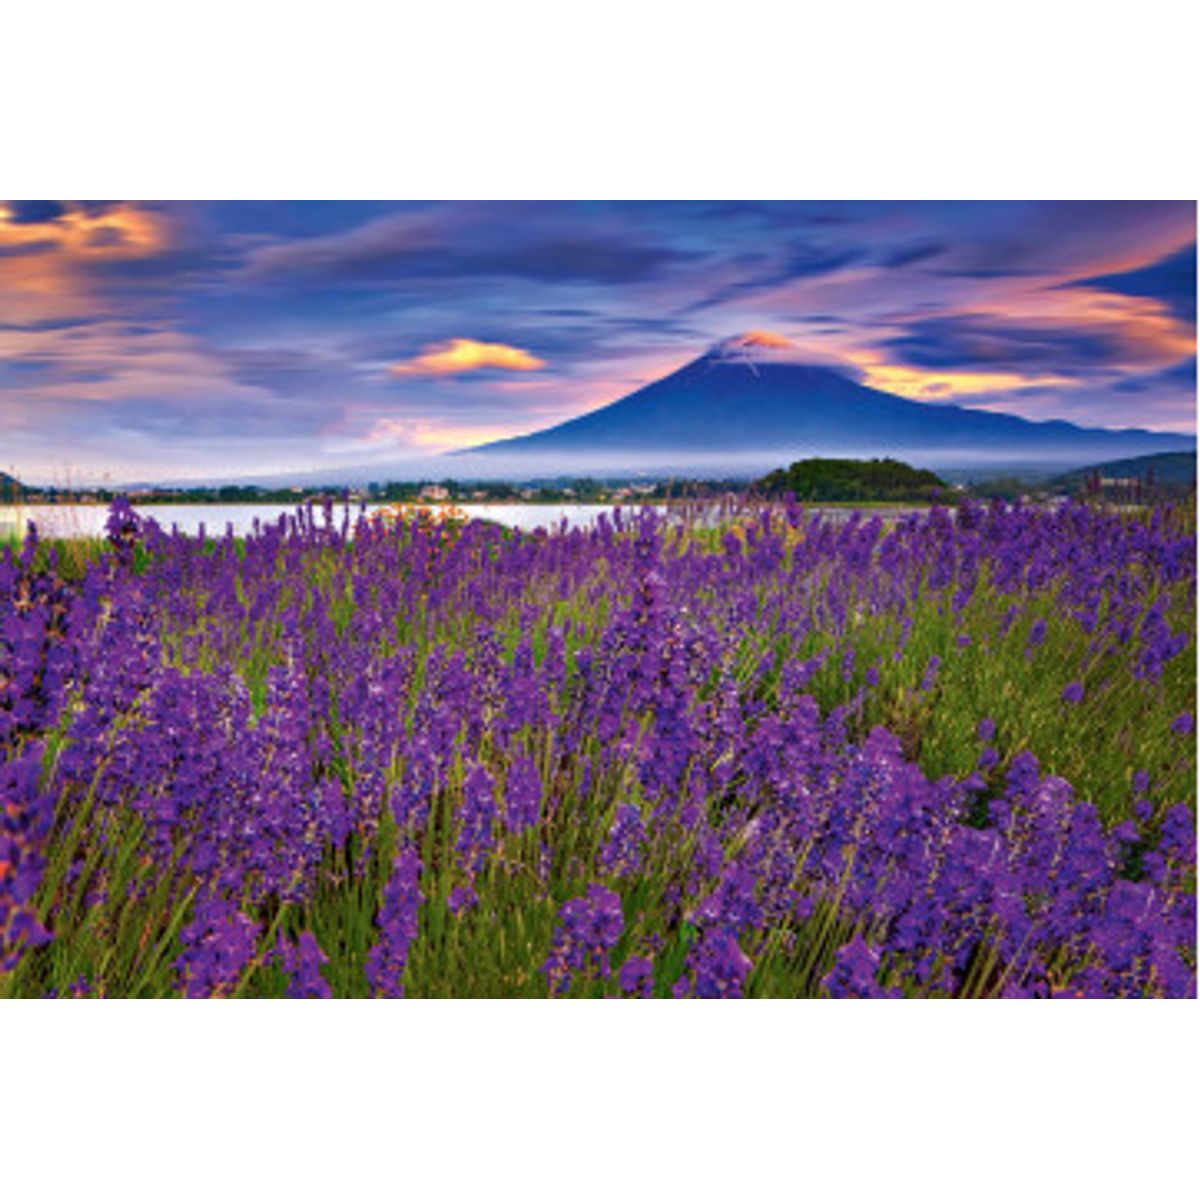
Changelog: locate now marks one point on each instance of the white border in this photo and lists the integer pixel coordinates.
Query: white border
(628, 100)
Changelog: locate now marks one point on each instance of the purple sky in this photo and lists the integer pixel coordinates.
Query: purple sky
(203, 340)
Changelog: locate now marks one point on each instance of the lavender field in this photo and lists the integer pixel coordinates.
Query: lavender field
(945, 754)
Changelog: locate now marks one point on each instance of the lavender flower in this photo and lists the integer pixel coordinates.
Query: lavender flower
(588, 930)
(255, 721)
(856, 972)
(219, 944)
(477, 835)
(523, 796)
(636, 977)
(717, 967)
(622, 851)
(302, 960)
(398, 926)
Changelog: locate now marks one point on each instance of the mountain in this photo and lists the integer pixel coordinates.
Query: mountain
(11, 489)
(745, 404)
(1164, 470)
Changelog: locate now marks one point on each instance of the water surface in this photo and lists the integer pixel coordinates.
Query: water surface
(88, 520)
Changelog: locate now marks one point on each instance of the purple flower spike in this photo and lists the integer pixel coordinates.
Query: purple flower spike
(636, 977)
(398, 926)
(988, 758)
(219, 945)
(303, 962)
(855, 974)
(717, 967)
(588, 930)
(622, 852)
(1072, 693)
(522, 796)
(477, 834)
(26, 815)
(931, 673)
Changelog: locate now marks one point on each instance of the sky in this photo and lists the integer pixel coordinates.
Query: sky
(211, 340)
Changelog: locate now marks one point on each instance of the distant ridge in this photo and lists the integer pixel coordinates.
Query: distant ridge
(1173, 469)
(746, 401)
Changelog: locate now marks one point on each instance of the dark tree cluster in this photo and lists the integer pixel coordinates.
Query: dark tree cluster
(849, 479)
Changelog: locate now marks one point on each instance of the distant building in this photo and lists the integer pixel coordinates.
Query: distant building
(434, 492)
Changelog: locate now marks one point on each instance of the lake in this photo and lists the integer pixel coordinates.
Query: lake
(87, 520)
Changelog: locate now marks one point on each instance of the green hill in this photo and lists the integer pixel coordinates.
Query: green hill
(1172, 472)
(851, 479)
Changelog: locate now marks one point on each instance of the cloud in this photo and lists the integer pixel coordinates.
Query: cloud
(1082, 332)
(429, 436)
(766, 340)
(1171, 280)
(108, 362)
(907, 256)
(1044, 239)
(527, 242)
(798, 262)
(974, 341)
(81, 232)
(49, 268)
(1181, 377)
(34, 212)
(459, 355)
(15, 249)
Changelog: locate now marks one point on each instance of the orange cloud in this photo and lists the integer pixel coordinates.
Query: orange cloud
(1146, 332)
(44, 265)
(120, 232)
(465, 354)
(919, 384)
(766, 339)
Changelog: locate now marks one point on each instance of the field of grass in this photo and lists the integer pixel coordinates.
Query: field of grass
(940, 755)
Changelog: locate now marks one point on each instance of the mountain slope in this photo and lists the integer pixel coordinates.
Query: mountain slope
(726, 406)
(1176, 470)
